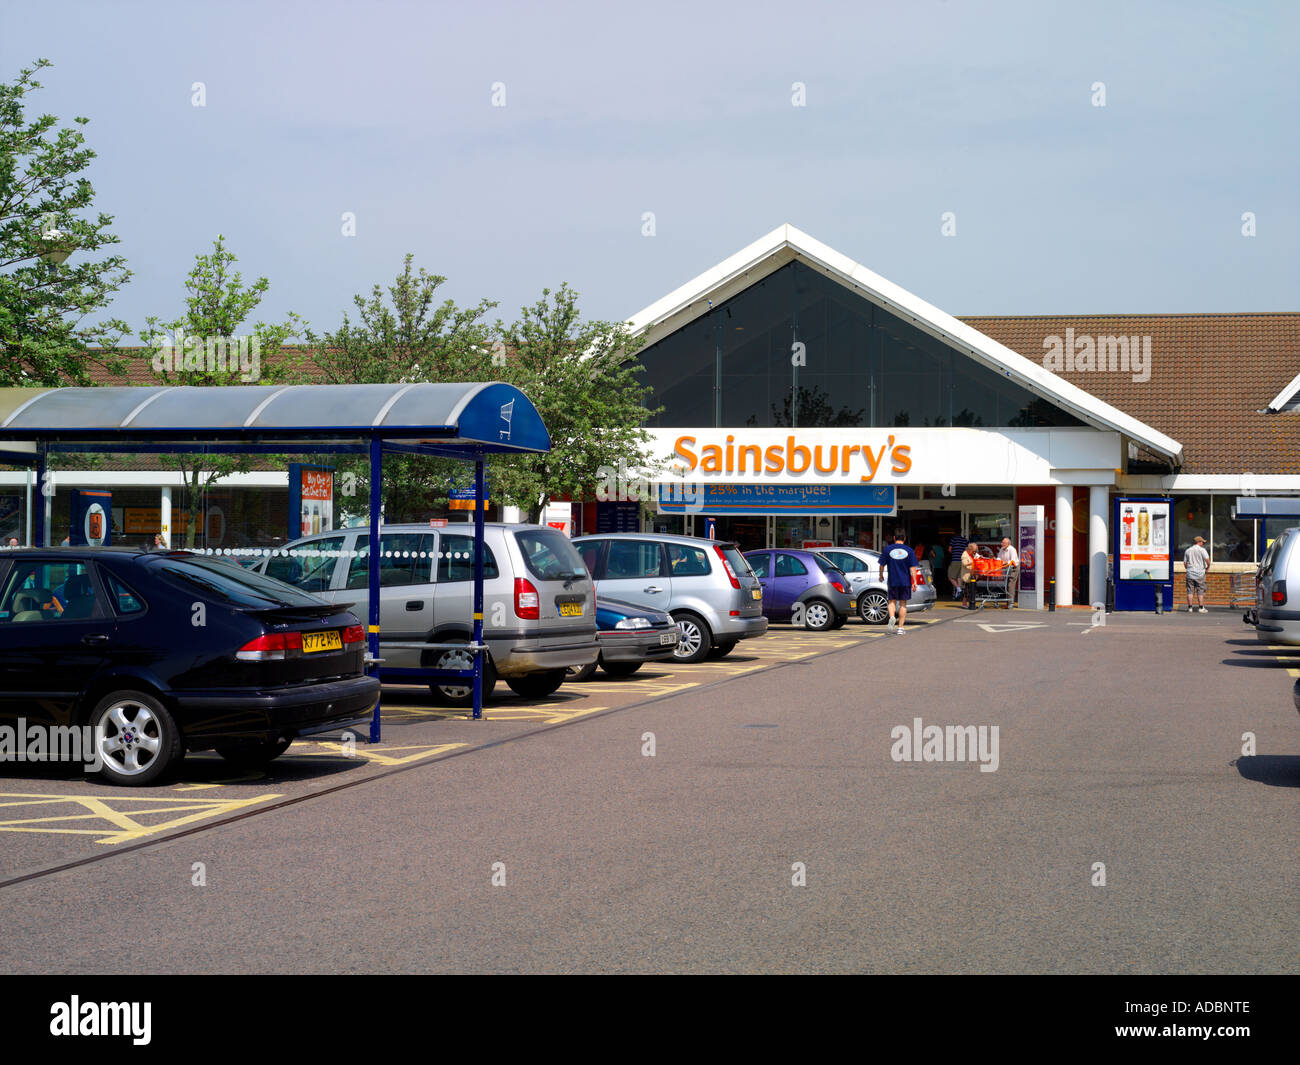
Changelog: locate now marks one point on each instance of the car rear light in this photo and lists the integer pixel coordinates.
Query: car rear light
(835, 583)
(270, 646)
(731, 574)
(1279, 593)
(527, 601)
(353, 634)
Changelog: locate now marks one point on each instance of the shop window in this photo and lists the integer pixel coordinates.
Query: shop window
(1191, 519)
(1233, 541)
(865, 366)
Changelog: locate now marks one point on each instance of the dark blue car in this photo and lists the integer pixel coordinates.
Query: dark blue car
(629, 636)
(801, 586)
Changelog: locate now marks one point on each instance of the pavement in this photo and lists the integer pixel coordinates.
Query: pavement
(758, 813)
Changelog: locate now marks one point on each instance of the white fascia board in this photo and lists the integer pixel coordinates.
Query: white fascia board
(784, 243)
(1286, 395)
(148, 479)
(1224, 483)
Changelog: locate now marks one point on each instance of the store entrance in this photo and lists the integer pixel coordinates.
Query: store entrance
(927, 529)
(748, 533)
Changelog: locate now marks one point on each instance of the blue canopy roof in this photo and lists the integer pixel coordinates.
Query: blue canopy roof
(465, 418)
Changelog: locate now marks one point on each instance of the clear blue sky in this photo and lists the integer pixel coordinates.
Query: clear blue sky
(913, 110)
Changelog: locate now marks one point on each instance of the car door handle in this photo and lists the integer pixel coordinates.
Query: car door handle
(95, 637)
(652, 588)
(415, 604)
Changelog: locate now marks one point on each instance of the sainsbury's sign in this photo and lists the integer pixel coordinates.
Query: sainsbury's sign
(792, 457)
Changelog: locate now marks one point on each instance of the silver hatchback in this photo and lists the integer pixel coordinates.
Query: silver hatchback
(539, 605)
(706, 585)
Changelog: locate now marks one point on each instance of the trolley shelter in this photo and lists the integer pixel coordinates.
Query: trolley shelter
(465, 421)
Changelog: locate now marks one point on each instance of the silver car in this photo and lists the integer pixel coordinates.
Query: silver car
(706, 585)
(539, 605)
(1278, 591)
(868, 594)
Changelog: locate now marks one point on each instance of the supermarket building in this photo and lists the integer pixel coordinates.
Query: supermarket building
(809, 401)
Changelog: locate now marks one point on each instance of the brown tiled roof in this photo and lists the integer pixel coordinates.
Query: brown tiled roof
(1211, 375)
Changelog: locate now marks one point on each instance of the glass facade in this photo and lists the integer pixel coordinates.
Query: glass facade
(737, 366)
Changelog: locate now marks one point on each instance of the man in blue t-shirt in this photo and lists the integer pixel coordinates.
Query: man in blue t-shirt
(899, 561)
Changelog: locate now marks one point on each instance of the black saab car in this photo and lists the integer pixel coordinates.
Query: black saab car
(167, 651)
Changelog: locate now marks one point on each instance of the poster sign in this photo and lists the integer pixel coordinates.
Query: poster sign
(559, 516)
(91, 518)
(463, 498)
(1030, 526)
(311, 499)
(142, 521)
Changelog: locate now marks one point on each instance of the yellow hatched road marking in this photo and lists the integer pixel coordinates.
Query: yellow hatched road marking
(383, 753)
(120, 813)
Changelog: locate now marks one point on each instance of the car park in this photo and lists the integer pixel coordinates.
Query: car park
(629, 636)
(538, 599)
(1278, 591)
(704, 585)
(168, 652)
(868, 591)
(801, 585)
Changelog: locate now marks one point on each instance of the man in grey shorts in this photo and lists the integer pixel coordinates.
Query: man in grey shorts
(1196, 560)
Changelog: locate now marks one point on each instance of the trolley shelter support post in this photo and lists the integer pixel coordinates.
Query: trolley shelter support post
(480, 652)
(376, 511)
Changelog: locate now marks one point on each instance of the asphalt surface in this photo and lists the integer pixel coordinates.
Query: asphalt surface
(1119, 745)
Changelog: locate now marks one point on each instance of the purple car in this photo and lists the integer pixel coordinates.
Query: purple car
(801, 586)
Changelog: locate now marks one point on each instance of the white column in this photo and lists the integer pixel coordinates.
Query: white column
(165, 507)
(510, 515)
(1064, 544)
(1098, 541)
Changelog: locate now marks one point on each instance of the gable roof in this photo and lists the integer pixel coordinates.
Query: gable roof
(1212, 379)
(786, 243)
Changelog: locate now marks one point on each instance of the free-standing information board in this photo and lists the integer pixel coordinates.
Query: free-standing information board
(1029, 525)
(92, 523)
(1142, 538)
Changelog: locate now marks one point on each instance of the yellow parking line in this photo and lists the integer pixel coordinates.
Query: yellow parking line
(120, 814)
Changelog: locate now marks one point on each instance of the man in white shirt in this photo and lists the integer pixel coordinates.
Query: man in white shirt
(1010, 559)
(1196, 560)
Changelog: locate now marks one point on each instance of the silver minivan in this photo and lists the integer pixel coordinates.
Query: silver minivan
(706, 585)
(539, 605)
(1278, 591)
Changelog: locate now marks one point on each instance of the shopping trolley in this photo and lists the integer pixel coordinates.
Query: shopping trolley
(507, 413)
(992, 580)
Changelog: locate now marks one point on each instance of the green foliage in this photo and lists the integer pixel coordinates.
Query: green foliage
(582, 379)
(205, 346)
(43, 303)
(403, 335)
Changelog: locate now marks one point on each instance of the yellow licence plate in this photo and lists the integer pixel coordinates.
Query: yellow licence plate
(756, 593)
(321, 641)
(570, 610)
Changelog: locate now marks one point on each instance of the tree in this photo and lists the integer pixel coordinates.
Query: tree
(583, 380)
(44, 300)
(408, 336)
(204, 346)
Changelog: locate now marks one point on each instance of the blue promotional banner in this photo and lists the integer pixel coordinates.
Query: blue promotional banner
(739, 499)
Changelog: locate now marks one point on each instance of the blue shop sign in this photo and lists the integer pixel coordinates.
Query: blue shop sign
(739, 499)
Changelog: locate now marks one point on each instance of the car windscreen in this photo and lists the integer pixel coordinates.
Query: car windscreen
(549, 554)
(231, 584)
